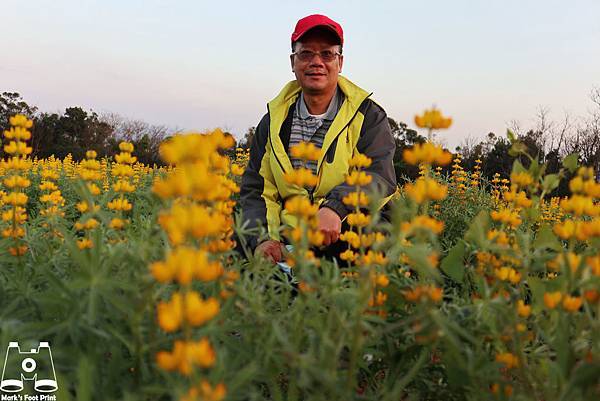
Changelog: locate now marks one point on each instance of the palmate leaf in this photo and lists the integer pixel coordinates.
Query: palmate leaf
(453, 263)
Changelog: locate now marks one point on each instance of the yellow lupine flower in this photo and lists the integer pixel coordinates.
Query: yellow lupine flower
(120, 205)
(433, 119)
(552, 299)
(117, 224)
(302, 177)
(126, 147)
(360, 161)
(506, 216)
(85, 243)
(572, 304)
(522, 309)
(16, 181)
(199, 311)
(508, 360)
(187, 354)
(20, 120)
(306, 151)
(351, 237)
(301, 206)
(358, 219)
(205, 392)
(424, 222)
(359, 178)
(426, 189)
(427, 153)
(356, 199)
(522, 179)
(15, 199)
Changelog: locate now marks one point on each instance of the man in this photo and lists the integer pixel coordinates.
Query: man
(328, 110)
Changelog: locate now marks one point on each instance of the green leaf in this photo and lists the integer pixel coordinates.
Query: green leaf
(518, 167)
(545, 238)
(453, 264)
(511, 136)
(517, 148)
(476, 234)
(84, 379)
(550, 182)
(571, 162)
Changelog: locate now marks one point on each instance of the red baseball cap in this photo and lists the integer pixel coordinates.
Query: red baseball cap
(312, 21)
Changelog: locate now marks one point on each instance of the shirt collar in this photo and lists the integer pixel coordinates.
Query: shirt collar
(332, 109)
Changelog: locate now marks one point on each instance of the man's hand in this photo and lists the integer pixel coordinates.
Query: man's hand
(330, 225)
(272, 250)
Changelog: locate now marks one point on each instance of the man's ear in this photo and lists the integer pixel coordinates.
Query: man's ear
(292, 61)
(341, 61)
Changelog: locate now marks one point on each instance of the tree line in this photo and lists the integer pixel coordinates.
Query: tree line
(77, 130)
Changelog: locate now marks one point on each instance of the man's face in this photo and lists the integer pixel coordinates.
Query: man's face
(316, 76)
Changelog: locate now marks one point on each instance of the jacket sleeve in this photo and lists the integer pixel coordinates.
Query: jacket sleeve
(377, 142)
(258, 192)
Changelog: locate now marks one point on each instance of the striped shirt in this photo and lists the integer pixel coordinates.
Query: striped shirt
(307, 127)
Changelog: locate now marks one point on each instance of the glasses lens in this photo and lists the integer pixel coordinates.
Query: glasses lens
(327, 55)
(306, 55)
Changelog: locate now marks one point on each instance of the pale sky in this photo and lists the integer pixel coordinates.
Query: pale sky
(206, 64)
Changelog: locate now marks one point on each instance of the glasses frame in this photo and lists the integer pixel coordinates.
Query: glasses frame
(297, 53)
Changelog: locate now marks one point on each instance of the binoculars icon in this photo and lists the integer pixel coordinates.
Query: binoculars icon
(36, 365)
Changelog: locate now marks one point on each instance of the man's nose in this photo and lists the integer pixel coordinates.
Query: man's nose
(317, 60)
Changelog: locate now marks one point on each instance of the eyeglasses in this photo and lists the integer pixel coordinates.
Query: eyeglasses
(326, 55)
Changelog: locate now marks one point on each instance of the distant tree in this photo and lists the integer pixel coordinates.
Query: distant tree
(12, 103)
(404, 137)
(146, 138)
(246, 141)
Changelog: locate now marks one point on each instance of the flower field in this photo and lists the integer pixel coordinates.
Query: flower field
(470, 290)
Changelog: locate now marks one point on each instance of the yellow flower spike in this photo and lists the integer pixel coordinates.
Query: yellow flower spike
(20, 120)
(301, 177)
(300, 206)
(15, 199)
(435, 293)
(198, 311)
(125, 158)
(305, 151)
(382, 280)
(426, 189)
(433, 119)
(508, 360)
(85, 243)
(359, 178)
(315, 237)
(170, 313)
(427, 153)
(422, 222)
(522, 309)
(126, 147)
(572, 304)
(91, 154)
(117, 224)
(356, 199)
(120, 205)
(360, 161)
(521, 180)
(552, 299)
(202, 353)
(351, 238)
(358, 219)
(237, 170)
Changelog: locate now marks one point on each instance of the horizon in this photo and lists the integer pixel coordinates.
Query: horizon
(484, 65)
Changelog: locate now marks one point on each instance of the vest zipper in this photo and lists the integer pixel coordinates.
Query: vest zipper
(334, 139)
